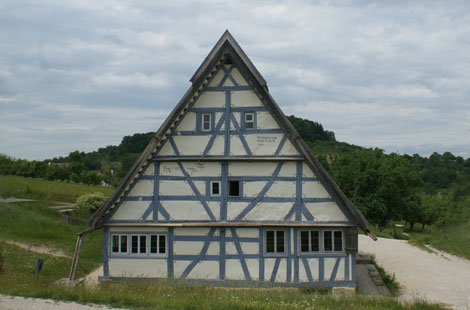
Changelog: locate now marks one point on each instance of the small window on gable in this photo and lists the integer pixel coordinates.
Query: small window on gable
(215, 188)
(206, 122)
(249, 120)
(234, 188)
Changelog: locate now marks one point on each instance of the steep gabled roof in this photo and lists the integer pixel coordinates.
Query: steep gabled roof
(227, 44)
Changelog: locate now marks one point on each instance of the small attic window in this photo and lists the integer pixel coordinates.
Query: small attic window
(228, 61)
(249, 120)
(206, 121)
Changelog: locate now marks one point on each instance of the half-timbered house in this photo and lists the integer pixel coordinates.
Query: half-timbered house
(226, 190)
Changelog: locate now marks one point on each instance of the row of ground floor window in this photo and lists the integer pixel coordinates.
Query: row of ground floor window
(311, 241)
(316, 256)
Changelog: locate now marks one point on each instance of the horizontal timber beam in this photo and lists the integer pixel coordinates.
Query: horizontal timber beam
(231, 158)
(229, 224)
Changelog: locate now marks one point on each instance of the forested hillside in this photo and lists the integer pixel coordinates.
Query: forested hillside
(386, 187)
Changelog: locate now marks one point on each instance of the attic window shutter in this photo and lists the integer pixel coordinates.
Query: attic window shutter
(351, 240)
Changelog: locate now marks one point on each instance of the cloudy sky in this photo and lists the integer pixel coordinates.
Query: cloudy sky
(79, 75)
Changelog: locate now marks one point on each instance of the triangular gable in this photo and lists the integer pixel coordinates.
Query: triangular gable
(227, 45)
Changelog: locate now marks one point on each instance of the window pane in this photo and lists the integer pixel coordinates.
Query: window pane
(234, 188)
(143, 244)
(123, 244)
(304, 241)
(248, 116)
(338, 241)
(215, 188)
(314, 241)
(327, 241)
(206, 121)
(249, 125)
(135, 244)
(115, 243)
(279, 241)
(162, 244)
(270, 241)
(153, 244)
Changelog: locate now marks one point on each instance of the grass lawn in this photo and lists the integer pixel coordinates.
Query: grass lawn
(39, 189)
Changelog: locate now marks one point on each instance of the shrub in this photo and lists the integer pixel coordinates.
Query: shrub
(1, 259)
(88, 203)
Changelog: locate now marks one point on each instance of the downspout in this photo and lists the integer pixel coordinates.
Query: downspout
(76, 254)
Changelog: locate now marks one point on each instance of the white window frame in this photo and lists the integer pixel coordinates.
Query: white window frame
(119, 243)
(203, 122)
(252, 121)
(212, 188)
(158, 244)
(333, 249)
(310, 241)
(265, 241)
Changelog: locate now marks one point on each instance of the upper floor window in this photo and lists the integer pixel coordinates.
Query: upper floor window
(215, 188)
(206, 121)
(249, 120)
(234, 188)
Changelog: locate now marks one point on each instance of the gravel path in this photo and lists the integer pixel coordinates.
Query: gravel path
(441, 277)
(21, 303)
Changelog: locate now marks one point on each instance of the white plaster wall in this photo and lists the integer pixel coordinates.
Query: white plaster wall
(237, 116)
(251, 168)
(281, 275)
(288, 149)
(191, 231)
(202, 169)
(247, 248)
(307, 172)
(253, 268)
(218, 146)
(238, 77)
(142, 188)
(179, 267)
(170, 169)
(247, 232)
(245, 99)
(205, 270)
(215, 208)
(253, 188)
(201, 187)
(187, 247)
(211, 99)
(141, 268)
(234, 270)
(314, 265)
(185, 210)
(166, 150)
(179, 188)
(131, 210)
(314, 190)
(266, 121)
(326, 211)
(282, 189)
(149, 170)
(289, 169)
(218, 115)
(188, 123)
(340, 275)
(263, 144)
(269, 211)
(217, 78)
(191, 145)
(329, 264)
(236, 146)
(234, 209)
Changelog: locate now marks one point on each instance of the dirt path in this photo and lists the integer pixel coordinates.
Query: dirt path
(40, 249)
(440, 277)
(21, 303)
